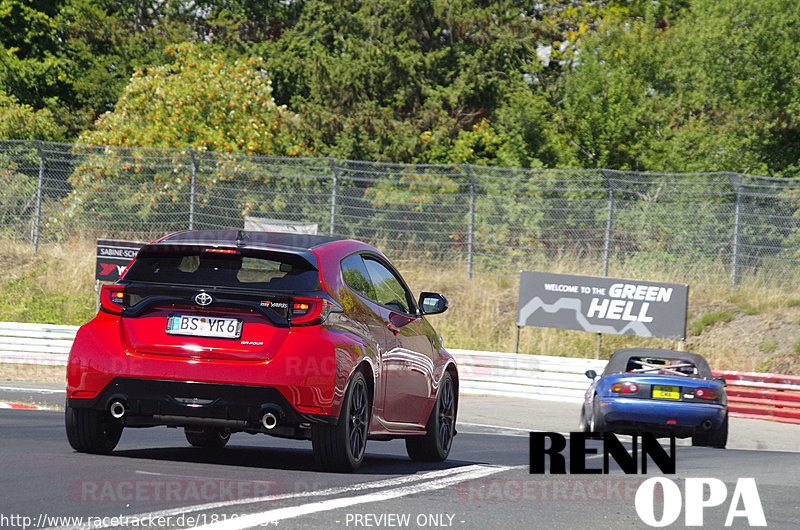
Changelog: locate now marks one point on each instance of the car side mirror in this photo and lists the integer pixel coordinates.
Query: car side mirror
(591, 374)
(432, 303)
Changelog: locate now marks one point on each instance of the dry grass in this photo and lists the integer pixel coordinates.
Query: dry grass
(57, 286)
(54, 286)
(33, 372)
(483, 316)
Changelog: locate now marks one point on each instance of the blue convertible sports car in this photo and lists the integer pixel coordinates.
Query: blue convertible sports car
(658, 391)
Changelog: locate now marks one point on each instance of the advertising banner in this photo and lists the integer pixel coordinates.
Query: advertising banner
(603, 305)
(112, 258)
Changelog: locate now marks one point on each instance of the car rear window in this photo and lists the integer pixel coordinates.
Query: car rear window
(664, 366)
(272, 271)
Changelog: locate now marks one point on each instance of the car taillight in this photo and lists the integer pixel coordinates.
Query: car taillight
(221, 250)
(706, 393)
(625, 387)
(308, 311)
(112, 298)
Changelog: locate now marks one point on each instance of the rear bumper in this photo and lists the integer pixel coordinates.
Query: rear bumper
(636, 415)
(150, 402)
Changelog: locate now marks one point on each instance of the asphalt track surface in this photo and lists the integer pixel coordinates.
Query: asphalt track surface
(156, 480)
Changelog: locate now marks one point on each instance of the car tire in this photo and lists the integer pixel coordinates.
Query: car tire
(435, 445)
(91, 431)
(597, 423)
(209, 438)
(714, 438)
(341, 447)
(583, 424)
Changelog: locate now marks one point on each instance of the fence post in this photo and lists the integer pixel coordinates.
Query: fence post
(735, 250)
(609, 219)
(334, 191)
(192, 186)
(38, 197)
(471, 225)
(606, 246)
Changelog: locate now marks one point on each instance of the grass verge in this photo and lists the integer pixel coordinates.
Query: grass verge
(56, 286)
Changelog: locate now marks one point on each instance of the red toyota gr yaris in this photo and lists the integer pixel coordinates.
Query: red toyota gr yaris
(297, 336)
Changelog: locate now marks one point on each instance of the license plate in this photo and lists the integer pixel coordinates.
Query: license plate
(200, 326)
(666, 392)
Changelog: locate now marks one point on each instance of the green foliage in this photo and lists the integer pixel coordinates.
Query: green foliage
(29, 66)
(18, 197)
(201, 100)
(780, 363)
(21, 121)
(768, 346)
(709, 319)
(25, 299)
(674, 85)
(400, 81)
(715, 91)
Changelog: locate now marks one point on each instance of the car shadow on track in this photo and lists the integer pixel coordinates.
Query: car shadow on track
(281, 458)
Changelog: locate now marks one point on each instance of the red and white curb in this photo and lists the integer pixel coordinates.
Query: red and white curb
(4, 405)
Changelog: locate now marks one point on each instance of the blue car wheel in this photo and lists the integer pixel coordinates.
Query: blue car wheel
(598, 423)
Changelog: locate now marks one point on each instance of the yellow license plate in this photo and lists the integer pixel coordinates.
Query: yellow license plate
(666, 392)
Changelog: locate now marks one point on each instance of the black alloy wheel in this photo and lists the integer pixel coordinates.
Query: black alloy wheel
(341, 447)
(435, 445)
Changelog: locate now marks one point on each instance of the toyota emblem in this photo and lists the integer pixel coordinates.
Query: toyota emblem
(203, 299)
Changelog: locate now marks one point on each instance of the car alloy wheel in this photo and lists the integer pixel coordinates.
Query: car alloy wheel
(341, 447)
(597, 423)
(435, 445)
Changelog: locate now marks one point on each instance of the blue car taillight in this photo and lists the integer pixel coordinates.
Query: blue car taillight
(711, 394)
(625, 387)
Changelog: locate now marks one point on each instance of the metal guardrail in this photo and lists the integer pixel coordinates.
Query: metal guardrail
(772, 397)
(522, 375)
(44, 344)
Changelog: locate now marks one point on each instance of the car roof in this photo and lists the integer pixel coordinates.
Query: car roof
(247, 238)
(618, 361)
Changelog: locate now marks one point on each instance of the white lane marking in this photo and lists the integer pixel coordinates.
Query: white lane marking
(20, 406)
(279, 514)
(502, 431)
(356, 488)
(34, 390)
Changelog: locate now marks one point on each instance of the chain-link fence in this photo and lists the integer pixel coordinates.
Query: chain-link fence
(712, 227)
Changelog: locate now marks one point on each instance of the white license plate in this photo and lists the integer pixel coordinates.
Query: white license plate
(199, 326)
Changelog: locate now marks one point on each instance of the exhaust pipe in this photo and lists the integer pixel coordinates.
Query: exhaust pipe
(706, 425)
(269, 421)
(117, 409)
(271, 415)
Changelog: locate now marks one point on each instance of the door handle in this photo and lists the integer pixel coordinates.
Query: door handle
(391, 327)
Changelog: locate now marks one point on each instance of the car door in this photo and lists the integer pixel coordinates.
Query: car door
(407, 363)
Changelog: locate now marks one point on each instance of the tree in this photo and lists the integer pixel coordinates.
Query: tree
(384, 80)
(199, 100)
(21, 122)
(204, 101)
